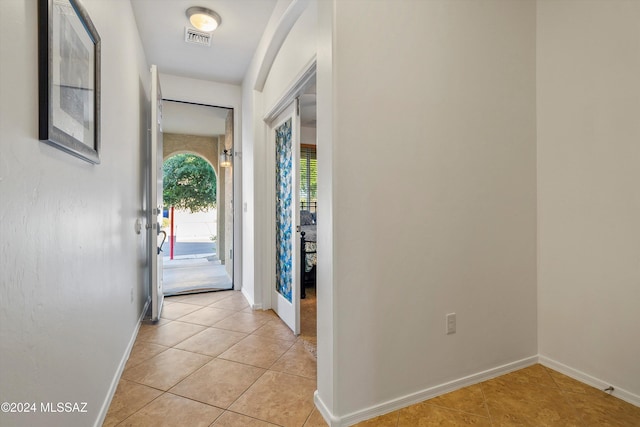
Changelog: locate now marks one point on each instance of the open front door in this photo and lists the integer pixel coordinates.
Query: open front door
(286, 292)
(156, 236)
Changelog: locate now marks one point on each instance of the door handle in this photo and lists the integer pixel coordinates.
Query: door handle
(164, 237)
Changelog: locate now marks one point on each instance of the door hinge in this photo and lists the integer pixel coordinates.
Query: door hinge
(298, 107)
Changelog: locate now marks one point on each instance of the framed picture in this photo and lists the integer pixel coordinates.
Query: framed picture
(69, 78)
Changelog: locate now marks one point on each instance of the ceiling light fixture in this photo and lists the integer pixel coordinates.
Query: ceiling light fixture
(203, 19)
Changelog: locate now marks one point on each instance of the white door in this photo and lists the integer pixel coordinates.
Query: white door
(156, 236)
(286, 143)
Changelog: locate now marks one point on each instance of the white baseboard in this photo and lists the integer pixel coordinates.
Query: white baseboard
(618, 392)
(251, 301)
(114, 382)
(324, 411)
(410, 399)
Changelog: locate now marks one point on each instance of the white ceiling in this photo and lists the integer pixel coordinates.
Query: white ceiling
(161, 25)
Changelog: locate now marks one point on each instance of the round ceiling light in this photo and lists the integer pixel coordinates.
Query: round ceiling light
(203, 19)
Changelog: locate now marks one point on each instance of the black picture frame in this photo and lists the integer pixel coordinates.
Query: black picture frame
(69, 79)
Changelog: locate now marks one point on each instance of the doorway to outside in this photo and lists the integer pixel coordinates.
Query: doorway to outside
(198, 198)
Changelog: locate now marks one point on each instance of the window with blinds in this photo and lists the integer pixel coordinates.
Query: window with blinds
(308, 178)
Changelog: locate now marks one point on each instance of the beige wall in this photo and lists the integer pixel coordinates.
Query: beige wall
(589, 190)
(203, 146)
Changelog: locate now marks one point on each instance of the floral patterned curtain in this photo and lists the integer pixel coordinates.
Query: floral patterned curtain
(284, 220)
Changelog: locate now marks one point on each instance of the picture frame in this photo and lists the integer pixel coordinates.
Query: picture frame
(69, 79)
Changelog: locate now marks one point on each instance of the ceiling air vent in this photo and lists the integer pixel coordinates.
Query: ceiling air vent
(197, 37)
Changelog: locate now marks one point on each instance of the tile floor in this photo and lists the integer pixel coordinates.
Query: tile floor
(212, 361)
(533, 396)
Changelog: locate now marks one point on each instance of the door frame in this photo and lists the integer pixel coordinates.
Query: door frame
(288, 311)
(155, 196)
(236, 225)
(297, 88)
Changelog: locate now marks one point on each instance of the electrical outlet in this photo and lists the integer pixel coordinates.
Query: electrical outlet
(451, 323)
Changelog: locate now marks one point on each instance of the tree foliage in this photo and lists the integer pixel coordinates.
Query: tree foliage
(189, 183)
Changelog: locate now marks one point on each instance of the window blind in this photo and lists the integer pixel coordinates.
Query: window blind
(308, 178)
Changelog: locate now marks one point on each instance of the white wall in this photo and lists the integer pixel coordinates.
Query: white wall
(297, 50)
(449, 96)
(308, 135)
(73, 281)
(252, 174)
(588, 194)
(325, 132)
(249, 239)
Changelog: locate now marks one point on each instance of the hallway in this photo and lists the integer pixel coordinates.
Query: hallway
(211, 360)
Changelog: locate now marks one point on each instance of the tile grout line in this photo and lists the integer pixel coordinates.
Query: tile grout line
(309, 416)
(244, 392)
(253, 418)
(163, 392)
(246, 364)
(228, 360)
(192, 399)
(254, 382)
(565, 396)
(486, 403)
(140, 409)
(289, 345)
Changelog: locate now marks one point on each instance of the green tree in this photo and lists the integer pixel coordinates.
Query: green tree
(189, 183)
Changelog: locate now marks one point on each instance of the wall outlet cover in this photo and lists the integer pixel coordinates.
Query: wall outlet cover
(451, 323)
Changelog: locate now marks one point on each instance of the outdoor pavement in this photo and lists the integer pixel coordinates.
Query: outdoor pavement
(189, 248)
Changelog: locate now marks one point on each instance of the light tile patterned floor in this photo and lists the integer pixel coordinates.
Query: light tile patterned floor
(212, 361)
